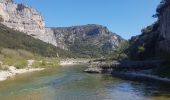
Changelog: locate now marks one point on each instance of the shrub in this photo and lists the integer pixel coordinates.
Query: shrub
(25, 54)
(9, 61)
(46, 63)
(21, 64)
(9, 53)
(121, 51)
(17, 58)
(37, 64)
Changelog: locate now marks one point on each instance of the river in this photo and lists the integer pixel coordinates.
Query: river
(71, 83)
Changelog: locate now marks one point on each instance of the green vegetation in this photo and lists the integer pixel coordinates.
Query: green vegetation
(18, 40)
(141, 49)
(19, 59)
(121, 51)
(84, 50)
(46, 63)
(15, 57)
(144, 46)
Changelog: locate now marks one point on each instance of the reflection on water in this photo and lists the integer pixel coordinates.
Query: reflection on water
(71, 83)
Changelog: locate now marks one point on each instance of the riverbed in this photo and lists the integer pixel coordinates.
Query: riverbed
(71, 83)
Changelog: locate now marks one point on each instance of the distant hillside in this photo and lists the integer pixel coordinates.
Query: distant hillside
(18, 40)
(87, 40)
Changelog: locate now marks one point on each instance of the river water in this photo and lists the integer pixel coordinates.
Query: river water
(71, 83)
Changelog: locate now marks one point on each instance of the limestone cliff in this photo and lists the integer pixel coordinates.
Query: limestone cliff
(91, 34)
(25, 19)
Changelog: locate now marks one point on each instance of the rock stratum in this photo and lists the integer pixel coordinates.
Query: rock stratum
(24, 18)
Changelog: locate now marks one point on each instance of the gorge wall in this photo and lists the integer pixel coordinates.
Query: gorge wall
(155, 39)
(24, 18)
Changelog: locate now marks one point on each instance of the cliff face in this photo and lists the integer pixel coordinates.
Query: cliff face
(26, 19)
(91, 34)
(21, 17)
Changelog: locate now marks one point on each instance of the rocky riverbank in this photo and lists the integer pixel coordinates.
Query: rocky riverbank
(105, 67)
(12, 71)
(66, 62)
(131, 70)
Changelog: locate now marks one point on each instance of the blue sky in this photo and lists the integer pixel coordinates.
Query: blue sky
(124, 17)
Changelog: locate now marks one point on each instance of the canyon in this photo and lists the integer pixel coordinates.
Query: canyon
(26, 19)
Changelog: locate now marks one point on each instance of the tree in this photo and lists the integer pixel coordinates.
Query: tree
(122, 50)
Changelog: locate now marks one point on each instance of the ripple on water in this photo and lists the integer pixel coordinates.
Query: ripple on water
(71, 83)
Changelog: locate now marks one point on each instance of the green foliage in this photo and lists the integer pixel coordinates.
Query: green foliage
(21, 64)
(141, 49)
(83, 50)
(18, 40)
(121, 51)
(25, 54)
(46, 63)
(15, 57)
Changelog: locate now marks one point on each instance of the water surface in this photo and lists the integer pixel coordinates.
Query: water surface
(71, 83)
